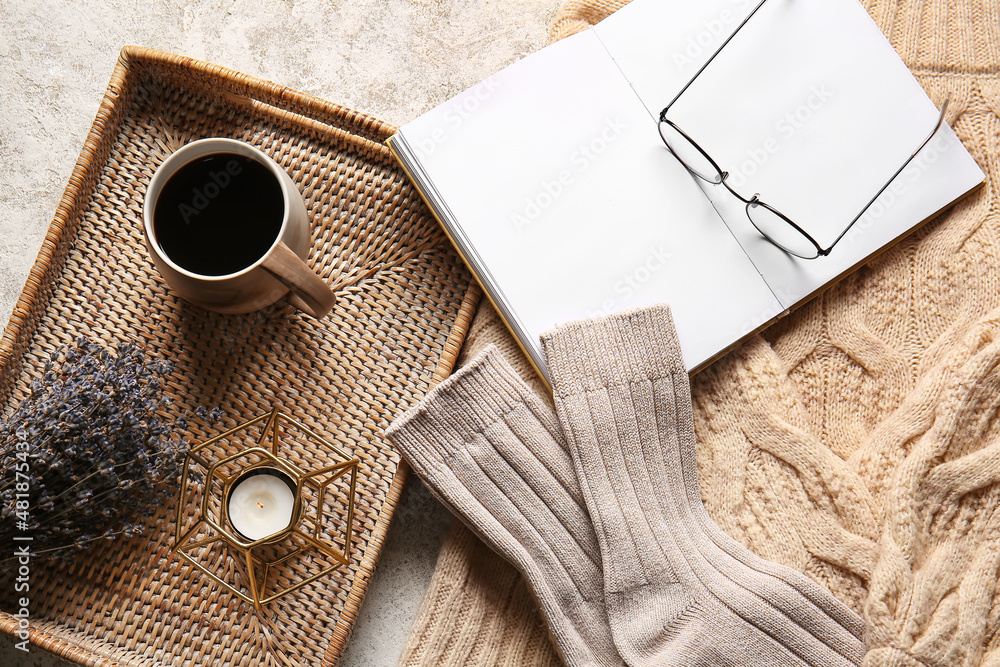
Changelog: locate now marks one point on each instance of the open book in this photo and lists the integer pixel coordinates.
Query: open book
(552, 180)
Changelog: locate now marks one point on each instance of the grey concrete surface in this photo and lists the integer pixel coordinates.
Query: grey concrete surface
(392, 59)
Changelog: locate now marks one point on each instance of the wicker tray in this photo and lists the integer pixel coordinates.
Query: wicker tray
(405, 301)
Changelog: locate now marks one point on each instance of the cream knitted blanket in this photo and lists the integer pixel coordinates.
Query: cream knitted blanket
(858, 440)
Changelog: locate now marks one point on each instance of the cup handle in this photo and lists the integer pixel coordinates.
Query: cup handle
(310, 293)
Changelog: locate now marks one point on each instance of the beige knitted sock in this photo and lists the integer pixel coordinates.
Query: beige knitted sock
(491, 450)
(678, 590)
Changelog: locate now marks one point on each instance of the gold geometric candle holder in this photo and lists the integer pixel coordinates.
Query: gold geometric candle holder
(260, 565)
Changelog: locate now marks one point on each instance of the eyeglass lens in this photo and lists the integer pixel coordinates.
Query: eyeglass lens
(690, 155)
(780, 231)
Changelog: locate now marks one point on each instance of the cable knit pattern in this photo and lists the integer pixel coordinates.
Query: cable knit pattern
(857, 439)
(931, 594)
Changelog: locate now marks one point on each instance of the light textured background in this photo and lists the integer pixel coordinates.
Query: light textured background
(392, 59)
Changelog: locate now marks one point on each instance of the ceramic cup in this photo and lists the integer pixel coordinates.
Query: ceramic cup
(188, 227)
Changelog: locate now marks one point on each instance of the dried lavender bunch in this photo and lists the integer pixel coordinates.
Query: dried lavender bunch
(94, 446)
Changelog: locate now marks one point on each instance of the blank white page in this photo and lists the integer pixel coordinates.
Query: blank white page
(557, 188)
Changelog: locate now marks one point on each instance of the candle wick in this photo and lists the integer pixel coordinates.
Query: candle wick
(260, 504)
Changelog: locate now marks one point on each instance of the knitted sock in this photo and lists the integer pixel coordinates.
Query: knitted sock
(489, 448)
(677, 589)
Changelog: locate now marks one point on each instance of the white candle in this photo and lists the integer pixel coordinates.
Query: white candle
(261, 503)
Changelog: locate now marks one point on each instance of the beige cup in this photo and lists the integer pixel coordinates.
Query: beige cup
(279, 270)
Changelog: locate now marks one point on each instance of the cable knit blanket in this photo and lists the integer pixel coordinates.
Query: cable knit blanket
(858, 440)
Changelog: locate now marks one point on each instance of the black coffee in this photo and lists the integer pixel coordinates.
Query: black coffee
(218, 214)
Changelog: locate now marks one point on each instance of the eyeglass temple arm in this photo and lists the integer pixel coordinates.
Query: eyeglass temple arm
(878, 194)
(687, 85)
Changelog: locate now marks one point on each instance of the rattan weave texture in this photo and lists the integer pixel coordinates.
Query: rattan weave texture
(405, 301)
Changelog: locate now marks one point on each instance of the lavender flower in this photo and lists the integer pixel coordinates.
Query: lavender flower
(96, 445)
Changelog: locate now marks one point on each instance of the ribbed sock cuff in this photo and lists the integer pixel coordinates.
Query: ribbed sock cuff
(590, 355)
(465, 404)
(511, 495)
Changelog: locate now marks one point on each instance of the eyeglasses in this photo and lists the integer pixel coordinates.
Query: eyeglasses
(773, 225)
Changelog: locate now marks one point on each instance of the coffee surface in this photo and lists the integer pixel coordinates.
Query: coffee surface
(218, 214)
